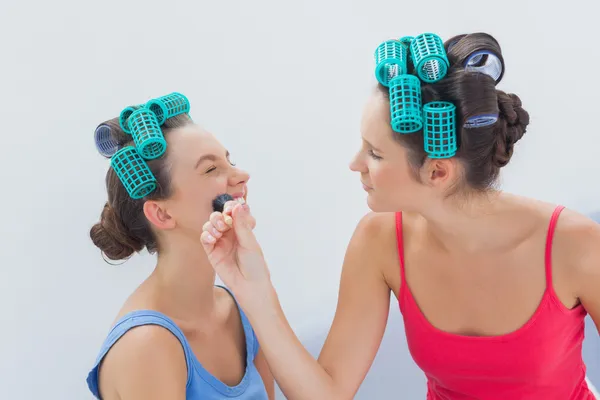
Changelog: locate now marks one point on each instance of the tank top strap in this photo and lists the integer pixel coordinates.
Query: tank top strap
(130, 321)
(549, 240)
(252, 344)
(400, 245)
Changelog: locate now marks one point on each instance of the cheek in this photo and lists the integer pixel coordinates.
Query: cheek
(393, 181)
(384, 177)
(194, 203)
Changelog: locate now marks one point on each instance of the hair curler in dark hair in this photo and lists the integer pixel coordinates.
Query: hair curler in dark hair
(489, 122)
(123, 228)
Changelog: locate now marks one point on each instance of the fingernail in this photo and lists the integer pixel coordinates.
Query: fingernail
(245, 206)
(210, 238)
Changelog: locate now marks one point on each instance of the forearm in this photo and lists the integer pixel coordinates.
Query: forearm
(296, 371)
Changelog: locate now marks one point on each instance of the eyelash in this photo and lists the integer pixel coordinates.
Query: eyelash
(373, 155)
(211, 169)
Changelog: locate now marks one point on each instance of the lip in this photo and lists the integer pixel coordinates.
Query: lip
(366, 187)
(239, 194)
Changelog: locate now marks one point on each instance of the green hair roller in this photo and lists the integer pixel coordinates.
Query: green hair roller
(169, 106)
(147, 135)
(133, 172)
(390, 60)
(439, 136)
(429, 57)
(405, 104)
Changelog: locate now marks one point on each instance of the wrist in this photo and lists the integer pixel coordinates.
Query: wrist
(259, 300)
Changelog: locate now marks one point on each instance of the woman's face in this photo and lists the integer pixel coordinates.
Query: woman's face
(385, 172)
(200, 169)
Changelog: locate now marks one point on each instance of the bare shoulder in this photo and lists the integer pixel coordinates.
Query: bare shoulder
(146, 362)
(375, 232)
(577, 243)
(573, 223)
(374, 244)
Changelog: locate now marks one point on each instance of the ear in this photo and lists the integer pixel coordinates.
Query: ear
(158, 215)
(440, 172)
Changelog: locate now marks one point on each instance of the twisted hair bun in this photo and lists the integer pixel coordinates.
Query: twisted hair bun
(111, 237)
(512, 125)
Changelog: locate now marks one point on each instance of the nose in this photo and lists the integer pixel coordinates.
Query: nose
(238, 177)
(357, 164)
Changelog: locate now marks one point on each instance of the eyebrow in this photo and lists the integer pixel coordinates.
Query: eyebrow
(210, 157)
(370, 145)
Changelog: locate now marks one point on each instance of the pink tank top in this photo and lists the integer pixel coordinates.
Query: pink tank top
(542, 360)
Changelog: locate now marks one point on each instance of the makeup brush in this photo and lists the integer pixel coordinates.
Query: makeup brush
(219, 205)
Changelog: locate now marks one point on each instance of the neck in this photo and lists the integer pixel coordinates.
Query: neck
(185, 280)
(481, 223)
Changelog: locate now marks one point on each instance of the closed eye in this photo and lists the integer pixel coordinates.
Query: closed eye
(375, 156)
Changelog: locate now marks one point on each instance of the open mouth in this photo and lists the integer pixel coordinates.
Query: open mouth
(239, 197)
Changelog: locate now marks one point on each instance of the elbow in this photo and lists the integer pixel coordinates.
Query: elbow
(338, 392)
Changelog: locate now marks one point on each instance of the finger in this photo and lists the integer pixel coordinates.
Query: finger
(218, 221)
(243, 223)
(210, 228)
(208, 242)
(228, 207)
(227, 210)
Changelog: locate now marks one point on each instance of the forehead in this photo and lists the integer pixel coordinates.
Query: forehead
(375, 124)
(188, 143)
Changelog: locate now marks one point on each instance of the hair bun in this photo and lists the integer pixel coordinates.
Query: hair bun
(512, 125)
(511, 108)
(110, 236)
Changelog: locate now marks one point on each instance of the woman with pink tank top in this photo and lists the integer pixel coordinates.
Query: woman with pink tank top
(493, 287)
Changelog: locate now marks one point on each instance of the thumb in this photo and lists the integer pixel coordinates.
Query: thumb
(243, 224)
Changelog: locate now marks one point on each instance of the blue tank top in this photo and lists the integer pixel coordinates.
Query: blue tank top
(201, 384)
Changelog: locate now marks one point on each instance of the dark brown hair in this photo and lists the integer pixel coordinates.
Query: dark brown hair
(123, 228)
(483, 150)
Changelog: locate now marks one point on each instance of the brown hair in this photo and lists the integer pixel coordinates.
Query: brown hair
(483, 150)
(123, 228)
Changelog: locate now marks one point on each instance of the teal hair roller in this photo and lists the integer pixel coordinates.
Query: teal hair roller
(405, 104)
(406, 40)
(391, 60)
(429, 57)
(169, 106)
(439, 136)
(124, 116)
(133, 172)
(147, 135)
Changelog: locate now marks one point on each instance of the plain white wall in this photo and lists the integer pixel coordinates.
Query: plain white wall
(282, 84)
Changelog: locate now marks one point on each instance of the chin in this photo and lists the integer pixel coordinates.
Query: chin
(374, 205)
(379, 206)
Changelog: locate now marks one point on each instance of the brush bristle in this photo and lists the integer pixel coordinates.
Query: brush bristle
(219, 201)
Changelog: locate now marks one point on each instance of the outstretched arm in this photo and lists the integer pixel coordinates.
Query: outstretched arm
(357, 329)
(265, 373)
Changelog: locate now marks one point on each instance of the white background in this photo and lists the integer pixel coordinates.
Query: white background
(282, 84)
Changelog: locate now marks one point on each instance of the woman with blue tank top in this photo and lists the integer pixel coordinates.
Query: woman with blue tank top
(178, 336)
